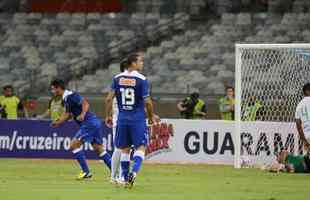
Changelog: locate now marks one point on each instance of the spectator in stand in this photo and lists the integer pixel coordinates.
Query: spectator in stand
(192, 107)
(227, 104)
(54, 110)
(10, 104)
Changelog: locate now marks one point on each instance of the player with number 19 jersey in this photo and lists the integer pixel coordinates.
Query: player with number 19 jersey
(131, 88)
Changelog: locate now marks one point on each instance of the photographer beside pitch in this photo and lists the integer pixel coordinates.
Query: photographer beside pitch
(192, 107)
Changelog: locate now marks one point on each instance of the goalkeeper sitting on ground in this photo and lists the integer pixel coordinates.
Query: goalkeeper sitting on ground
(290, 163)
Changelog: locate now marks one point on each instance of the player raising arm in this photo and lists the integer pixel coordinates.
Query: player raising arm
(90, 127)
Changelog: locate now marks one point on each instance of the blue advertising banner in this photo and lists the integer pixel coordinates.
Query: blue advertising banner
(36, 139)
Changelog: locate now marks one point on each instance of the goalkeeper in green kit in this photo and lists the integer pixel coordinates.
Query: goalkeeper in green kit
(291, 163)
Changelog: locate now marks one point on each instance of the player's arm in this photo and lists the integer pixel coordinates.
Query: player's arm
(85, 108)
(109, 103)
(109, 107)
(152, 118)
(301, 133)
(156, 118)
(63, 118)
(148, 104)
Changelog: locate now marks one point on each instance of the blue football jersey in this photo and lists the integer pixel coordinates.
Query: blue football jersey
(73, 105)
(131, 88)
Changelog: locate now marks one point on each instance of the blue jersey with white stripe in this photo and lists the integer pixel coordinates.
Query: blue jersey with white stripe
(131, 88)
(73, 105)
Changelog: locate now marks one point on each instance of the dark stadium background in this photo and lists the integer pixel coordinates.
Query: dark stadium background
(37, 44)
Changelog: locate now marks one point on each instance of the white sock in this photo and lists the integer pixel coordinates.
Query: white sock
(115, 165)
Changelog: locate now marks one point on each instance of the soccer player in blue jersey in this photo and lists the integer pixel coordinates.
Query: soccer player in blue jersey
(90, 127)
(132, 92)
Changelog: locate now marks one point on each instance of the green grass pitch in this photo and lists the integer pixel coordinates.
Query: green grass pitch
(22, 179)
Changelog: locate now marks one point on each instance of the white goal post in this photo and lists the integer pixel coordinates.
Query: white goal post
(271, 75)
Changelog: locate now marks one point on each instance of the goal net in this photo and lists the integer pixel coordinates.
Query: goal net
(269, 80)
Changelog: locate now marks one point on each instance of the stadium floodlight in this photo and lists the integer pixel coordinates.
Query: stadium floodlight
(268, 84)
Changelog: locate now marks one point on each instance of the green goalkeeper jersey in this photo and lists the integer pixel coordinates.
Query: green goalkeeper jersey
(298, 162)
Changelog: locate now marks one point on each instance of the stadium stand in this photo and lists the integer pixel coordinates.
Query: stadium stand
(12, 5)
(76, 43)
(187, 44)
(161, 6)
(39, 47)
(209, 51)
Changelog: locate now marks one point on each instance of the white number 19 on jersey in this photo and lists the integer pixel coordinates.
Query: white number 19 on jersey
(128, 96)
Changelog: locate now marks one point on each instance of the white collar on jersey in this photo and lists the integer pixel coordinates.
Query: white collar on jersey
(66, 93)
(133, 73)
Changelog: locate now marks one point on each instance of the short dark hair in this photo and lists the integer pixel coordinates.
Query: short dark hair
(306, 88)
(132, 58)
(7, 87)
(124, 65)
(230, 87)
(195, 95)
(58, 83)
